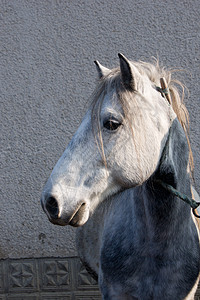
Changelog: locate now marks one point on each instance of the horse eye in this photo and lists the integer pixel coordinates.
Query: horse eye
(111, 124)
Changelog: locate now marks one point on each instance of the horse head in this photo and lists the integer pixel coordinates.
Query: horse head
(117, 146)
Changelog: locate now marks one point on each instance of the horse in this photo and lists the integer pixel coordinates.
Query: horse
(139, 239)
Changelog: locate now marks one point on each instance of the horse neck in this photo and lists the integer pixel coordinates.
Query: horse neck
(162, 209)
(149, 209)
(163, 212)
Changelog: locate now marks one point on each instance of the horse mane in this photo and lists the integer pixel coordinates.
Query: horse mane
(176, 89)
(154, 72)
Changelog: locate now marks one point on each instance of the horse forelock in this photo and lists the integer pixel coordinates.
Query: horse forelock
(154, 72)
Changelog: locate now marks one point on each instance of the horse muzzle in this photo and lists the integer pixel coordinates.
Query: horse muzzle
(60, 216)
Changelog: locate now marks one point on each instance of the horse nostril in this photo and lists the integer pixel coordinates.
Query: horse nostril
(52, 207)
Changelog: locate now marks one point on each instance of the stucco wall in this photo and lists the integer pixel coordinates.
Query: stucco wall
(47, 73)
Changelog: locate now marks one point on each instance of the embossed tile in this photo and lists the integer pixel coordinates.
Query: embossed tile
(1, 277)
(22, 275)
(84, 280)
(197, 296)
(22, 297)
(56, 297)
(55, 274)
(88, 296)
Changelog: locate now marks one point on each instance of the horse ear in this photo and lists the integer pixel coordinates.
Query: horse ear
(102, 71)
(129, 73)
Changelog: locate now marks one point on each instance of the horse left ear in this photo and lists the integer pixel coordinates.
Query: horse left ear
(129, 73)
(102, 71)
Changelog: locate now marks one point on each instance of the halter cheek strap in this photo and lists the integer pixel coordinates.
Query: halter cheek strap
(163, 92)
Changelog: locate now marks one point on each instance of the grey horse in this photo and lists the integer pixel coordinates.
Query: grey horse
(139, 239)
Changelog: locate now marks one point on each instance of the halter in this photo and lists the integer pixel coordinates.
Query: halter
(164, 90)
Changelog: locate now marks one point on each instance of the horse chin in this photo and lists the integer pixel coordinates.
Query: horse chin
(77, 223)
(80, 217)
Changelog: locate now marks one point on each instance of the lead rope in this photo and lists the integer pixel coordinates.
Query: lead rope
(164, 90)
(193, 204)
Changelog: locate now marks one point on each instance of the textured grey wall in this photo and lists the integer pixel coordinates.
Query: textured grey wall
(47, 73)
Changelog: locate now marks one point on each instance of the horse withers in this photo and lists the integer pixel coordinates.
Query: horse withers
(139, 239)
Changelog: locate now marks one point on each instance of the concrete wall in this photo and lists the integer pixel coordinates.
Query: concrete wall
(47, 73)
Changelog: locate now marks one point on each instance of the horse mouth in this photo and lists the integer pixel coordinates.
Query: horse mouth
(80, 216)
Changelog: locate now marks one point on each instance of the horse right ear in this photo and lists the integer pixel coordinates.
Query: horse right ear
(102, 71)
(131, 77)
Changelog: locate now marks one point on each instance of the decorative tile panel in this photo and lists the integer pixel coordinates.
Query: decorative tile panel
(197, 297)
(22, 297)
(48, 279)
(1, 277)
(88, 296)
(56, 297)
(55, 274)
(84, 280)
(21, 276)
